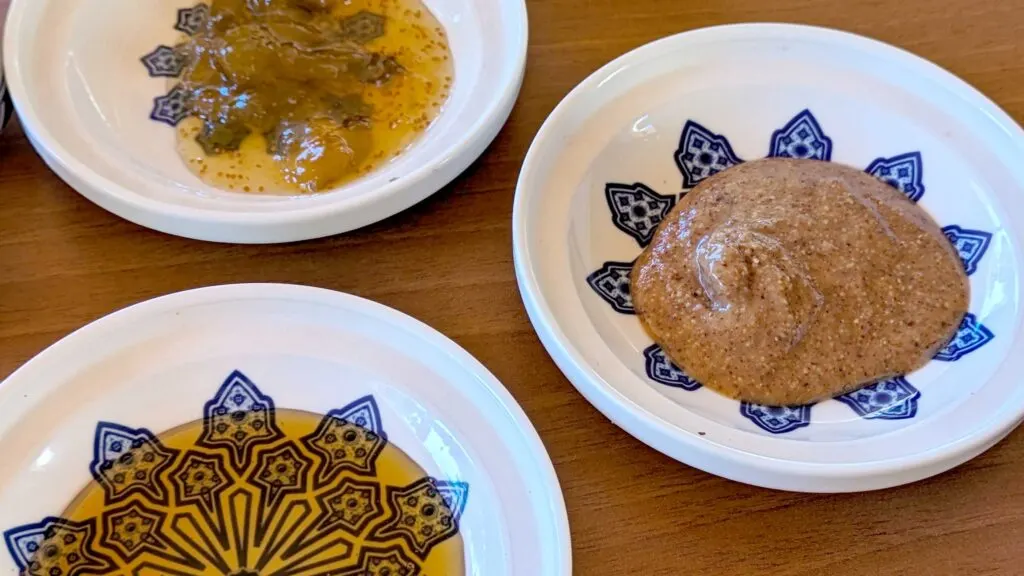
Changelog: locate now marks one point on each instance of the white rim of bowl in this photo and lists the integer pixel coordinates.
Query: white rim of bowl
(228, 292)
(661, 434)
(110, 192)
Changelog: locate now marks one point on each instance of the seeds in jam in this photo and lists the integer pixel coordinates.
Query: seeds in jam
(300, 96)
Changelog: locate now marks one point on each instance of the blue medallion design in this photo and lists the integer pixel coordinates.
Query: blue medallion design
(164, 61)
(904, 173)
(170, 108)
(347, 439)
(611, 283)
(663, 371)
(259, 502)
(893, 399)
(425, 513)
(971, 335)
(57, 546)
(238, 419)
(702, 153)
(777, 419)
(637, 210)
(970, 245)
(127, 461)
(190, 20)
(801, 137)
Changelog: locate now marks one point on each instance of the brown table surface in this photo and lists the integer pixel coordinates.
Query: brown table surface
(448, 261)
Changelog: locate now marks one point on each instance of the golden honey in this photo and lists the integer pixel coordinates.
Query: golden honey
(252, 491)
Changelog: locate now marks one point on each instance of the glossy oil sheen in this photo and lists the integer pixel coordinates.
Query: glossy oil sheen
(300, 96)
(260, 527)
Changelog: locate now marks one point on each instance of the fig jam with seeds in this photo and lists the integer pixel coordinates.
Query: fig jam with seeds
(300, 96)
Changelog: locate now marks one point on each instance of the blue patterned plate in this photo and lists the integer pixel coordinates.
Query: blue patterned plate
(95, 85)
(270, 429)
(625, 145)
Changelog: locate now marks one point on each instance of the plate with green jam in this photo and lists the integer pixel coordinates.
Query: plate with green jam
(267, 120)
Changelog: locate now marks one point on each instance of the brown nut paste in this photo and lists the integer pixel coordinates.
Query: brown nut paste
(785, 282)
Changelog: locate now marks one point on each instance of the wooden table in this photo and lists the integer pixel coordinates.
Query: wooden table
(64, 262)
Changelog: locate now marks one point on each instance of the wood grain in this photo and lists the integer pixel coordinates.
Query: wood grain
(448, 261)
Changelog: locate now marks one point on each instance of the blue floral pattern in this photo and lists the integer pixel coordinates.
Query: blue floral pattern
(703, 153)
(663, 371)
(171, 108)
(169, 62)
(191, 19)
(611, 283)
(57, 546)
(637, 210)
(801, 137)
(904, 173)
(235, 510)
(164, 61)
(777, 419)
(971, 335)
(893, 399)
(128, 461)
(970, 245)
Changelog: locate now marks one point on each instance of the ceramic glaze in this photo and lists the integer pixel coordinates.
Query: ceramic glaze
(617, 154)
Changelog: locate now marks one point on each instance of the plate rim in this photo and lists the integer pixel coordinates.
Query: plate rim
(671, 439)
(554, 503)
(248, 227)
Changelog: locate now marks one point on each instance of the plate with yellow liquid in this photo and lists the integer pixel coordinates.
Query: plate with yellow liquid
(259, 121)
(270, 430)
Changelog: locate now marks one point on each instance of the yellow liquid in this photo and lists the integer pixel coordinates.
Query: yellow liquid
(281, 511)
(401, 108)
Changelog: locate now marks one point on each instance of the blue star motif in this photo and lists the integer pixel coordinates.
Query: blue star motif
(170, 109)
(637, 210)
(777, 419)
(970, 245)
(801, 137)
(611, 283)
(893, 399)
(663, 371)
(124, 472)
(904, 173)
(363, 413)
(240, 417)
(702, 153)
(191, 19)
(164, 61)
(969, 337)
(73, 540)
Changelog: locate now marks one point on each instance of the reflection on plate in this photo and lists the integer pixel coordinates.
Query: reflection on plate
(250, 489)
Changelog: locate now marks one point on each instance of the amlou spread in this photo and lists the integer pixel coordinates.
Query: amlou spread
(299, 96)
(784, 282)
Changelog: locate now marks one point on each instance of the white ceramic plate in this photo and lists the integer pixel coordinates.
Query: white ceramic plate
(86, 100)
(613, 158)
(238, 349)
